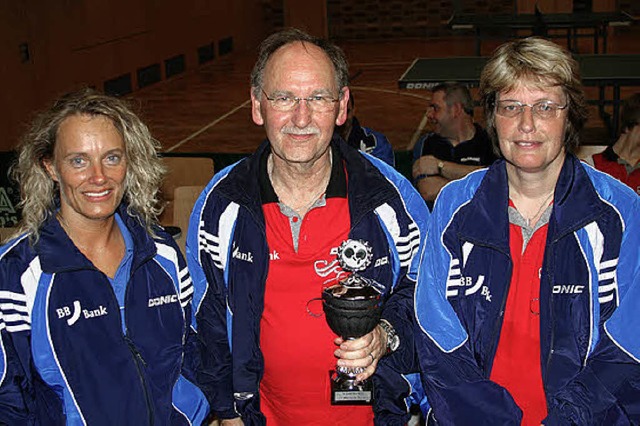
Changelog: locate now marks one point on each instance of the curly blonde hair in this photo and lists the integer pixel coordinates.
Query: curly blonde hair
(40, 194)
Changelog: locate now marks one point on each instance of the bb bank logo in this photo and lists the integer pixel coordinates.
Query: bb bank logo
(74, 315)
(246, 256)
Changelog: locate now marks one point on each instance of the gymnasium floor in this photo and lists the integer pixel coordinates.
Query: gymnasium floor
(207, 110)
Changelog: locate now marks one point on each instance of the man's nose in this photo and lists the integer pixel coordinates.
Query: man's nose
(302, 114)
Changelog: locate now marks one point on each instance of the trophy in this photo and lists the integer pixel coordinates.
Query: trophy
(352, 309)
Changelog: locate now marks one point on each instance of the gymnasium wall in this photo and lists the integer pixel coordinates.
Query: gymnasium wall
(50, 47)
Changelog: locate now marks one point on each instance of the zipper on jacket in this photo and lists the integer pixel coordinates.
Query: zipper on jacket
(503, 304)
(500, 321)
(138, 359)
(137, 356)
(552, 336)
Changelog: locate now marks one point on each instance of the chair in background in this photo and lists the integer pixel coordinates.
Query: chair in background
(183, 201)
(6, 232)
(186, 178)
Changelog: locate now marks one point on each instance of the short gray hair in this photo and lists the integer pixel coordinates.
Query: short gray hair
(291, 35)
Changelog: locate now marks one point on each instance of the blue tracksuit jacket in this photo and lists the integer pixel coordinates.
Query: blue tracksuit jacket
(589, 301)
(227, 219)
(71, 353)
(372, 142)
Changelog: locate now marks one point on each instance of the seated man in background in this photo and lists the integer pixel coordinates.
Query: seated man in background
(363, 138)
(621, 159)
(456, 147)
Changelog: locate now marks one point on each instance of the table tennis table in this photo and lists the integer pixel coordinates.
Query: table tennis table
(602, 71)
(547, 25)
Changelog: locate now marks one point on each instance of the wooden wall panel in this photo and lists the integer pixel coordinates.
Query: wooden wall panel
(75, 43)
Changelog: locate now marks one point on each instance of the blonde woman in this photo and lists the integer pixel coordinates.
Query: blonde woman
(95, 299)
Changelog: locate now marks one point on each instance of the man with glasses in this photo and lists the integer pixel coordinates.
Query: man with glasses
(456, 147)
(262, 245)
(527, 304)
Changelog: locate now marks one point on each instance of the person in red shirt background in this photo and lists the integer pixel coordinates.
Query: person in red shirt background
(622, 159)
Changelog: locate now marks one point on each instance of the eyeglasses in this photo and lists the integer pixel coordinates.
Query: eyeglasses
(316, 103)
(542, 109)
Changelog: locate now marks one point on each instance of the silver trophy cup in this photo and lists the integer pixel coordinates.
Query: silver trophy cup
(352, 309)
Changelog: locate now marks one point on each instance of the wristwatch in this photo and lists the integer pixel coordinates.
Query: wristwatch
(416, 179)
(393, 340)
(440, 167)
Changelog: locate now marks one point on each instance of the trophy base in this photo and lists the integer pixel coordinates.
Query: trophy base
(345, 391)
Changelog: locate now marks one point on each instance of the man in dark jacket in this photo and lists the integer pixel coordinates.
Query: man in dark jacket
(364, 138)
(262, 245)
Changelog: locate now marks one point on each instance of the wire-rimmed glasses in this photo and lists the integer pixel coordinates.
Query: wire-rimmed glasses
(542, 109)
(316, 103)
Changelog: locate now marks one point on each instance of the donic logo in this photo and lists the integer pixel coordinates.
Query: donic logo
(163, 300)
(74, 315)
(568, 289)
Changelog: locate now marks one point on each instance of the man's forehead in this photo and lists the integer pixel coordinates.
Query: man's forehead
(298, 56)
(437, 96)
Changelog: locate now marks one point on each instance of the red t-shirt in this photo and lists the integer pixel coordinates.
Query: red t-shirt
(607, 162)
(517, 364)
(298, 346)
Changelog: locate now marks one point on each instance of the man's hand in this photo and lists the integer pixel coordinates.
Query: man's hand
(364, 352)
(232, 422)
(425, 165)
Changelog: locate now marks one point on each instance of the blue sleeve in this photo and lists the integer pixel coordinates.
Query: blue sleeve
(396, 377)
(383, 148)
(214, 376)
(399, 308)
(607, 389)
(17, 401)
(458, 392)
(187, 397)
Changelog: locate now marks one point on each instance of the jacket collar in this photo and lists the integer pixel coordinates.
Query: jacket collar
(57, 252)
(485, 219)
(576, 201)
(240, 185)
(367, 187)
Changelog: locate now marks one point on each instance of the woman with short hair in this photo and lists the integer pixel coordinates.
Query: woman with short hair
(527, 303)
